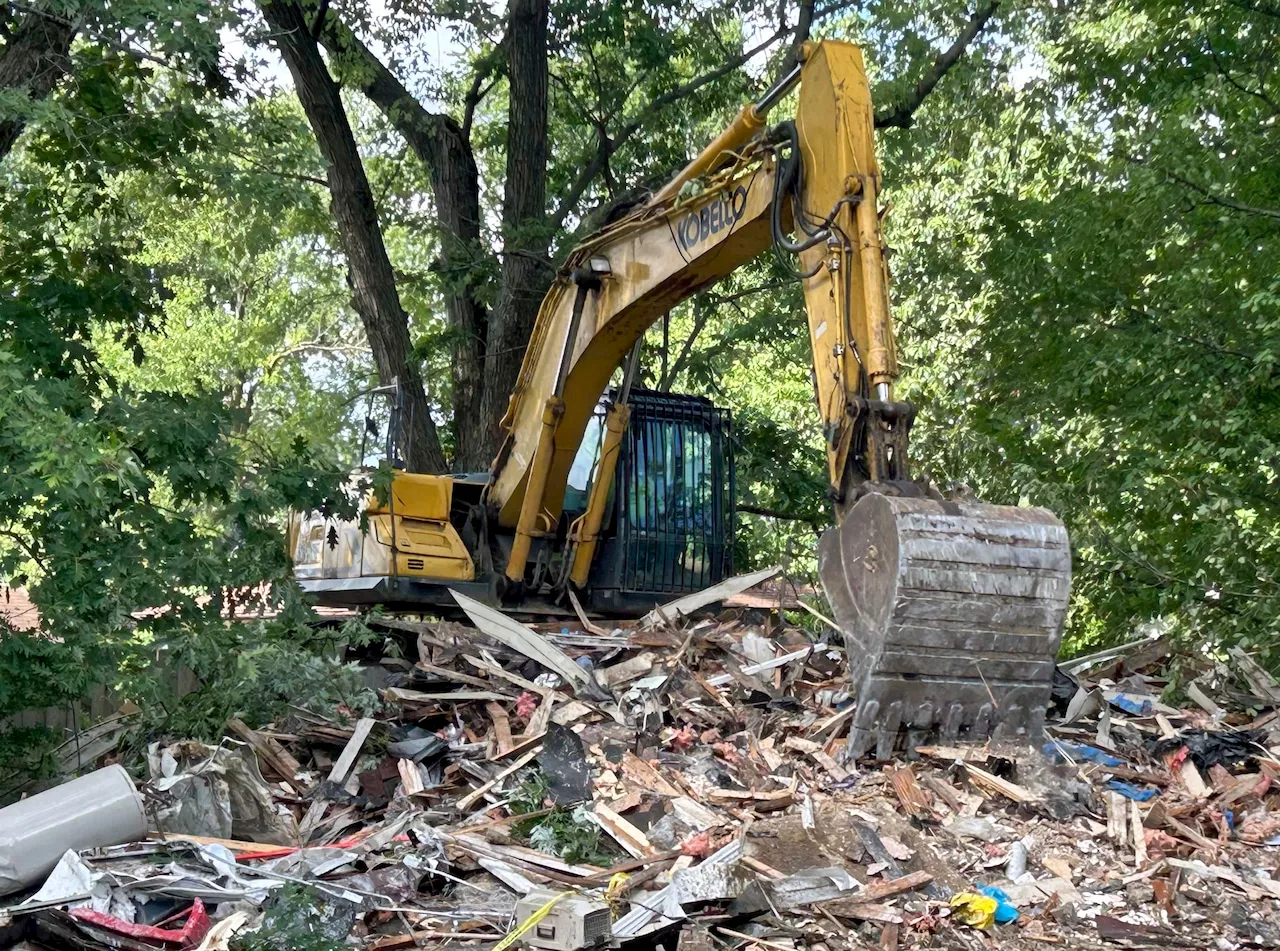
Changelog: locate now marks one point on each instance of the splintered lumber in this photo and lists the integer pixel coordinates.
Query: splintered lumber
(827, 762)
(1202, 700)
(1117, 818)
(946, 792)
(405, 695)
(1139, 835)
(719, 680)
(410, 777)
(992, 784)
(472, 797)
(1262, 684)
(955, 753)
(864, 905)
(647, 776)
(527, 642)
(509, 677)
(501, 728)
(269, 750)
(635, 842)
(444, 673)
(338, 774)
(909, 792)
(779, 796)
(682, 607)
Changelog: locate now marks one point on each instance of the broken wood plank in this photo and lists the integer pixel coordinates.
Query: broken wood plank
(1202, 700)
(646, 775)
(914, 800)
(871, 894)
(1263, 685)
(629, 669)
(953, 754)
(269, 750)
(472, 797)
(748, 795)
(338, 774)
(501, 728)
(497, 671)
(410, 777)
(833, 721)
(990, 783)
(444, 673)
(635, 842)
(1117, 818)
(405, 695)
(827, 762)
(1139, 835)
(683, 607)
(719, 680)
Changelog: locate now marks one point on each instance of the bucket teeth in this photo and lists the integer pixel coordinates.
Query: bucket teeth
(952, 614)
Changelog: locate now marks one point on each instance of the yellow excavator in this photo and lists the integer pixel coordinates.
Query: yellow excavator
(951, 610)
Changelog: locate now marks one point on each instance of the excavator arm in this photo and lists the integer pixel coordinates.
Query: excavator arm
(952, 612)
(816, 176)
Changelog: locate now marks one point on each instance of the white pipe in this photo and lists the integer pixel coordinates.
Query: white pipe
(98, 809)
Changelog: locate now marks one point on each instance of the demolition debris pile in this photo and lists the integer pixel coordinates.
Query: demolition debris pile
(676, 782)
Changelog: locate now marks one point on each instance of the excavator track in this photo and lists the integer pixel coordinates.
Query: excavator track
(952, 613)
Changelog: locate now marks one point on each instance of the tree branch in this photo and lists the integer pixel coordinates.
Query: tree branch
(902, 115)
(610, 145)
(1226, 74)
(1222, 200)
(777, 513)
(804, 22)
(485, 69)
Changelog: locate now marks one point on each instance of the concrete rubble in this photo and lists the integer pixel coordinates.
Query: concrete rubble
(679, 782)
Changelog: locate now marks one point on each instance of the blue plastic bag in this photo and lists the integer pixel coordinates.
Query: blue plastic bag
(1005, 912)
(1130, 791)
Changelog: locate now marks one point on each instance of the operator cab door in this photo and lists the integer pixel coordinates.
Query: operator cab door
(669, 524)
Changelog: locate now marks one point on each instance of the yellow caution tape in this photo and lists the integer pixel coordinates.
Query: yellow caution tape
(513, 936)
(613, 894)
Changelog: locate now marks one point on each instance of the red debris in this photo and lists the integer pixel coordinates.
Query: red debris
(526, 704)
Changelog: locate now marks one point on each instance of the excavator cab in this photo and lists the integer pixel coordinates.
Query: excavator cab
(669, 521)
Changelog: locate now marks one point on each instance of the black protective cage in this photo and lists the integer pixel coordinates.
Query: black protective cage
(670, 525)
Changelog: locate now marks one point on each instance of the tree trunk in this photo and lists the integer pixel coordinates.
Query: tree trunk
(443, 147)
(525, 237)
(368, 268)
(34, 59)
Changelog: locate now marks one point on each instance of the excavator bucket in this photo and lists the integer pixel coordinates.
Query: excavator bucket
(952, 613)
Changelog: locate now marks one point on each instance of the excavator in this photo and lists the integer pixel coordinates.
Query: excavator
(951, 611)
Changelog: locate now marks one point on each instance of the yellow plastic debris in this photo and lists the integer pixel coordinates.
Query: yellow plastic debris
(978, 911)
